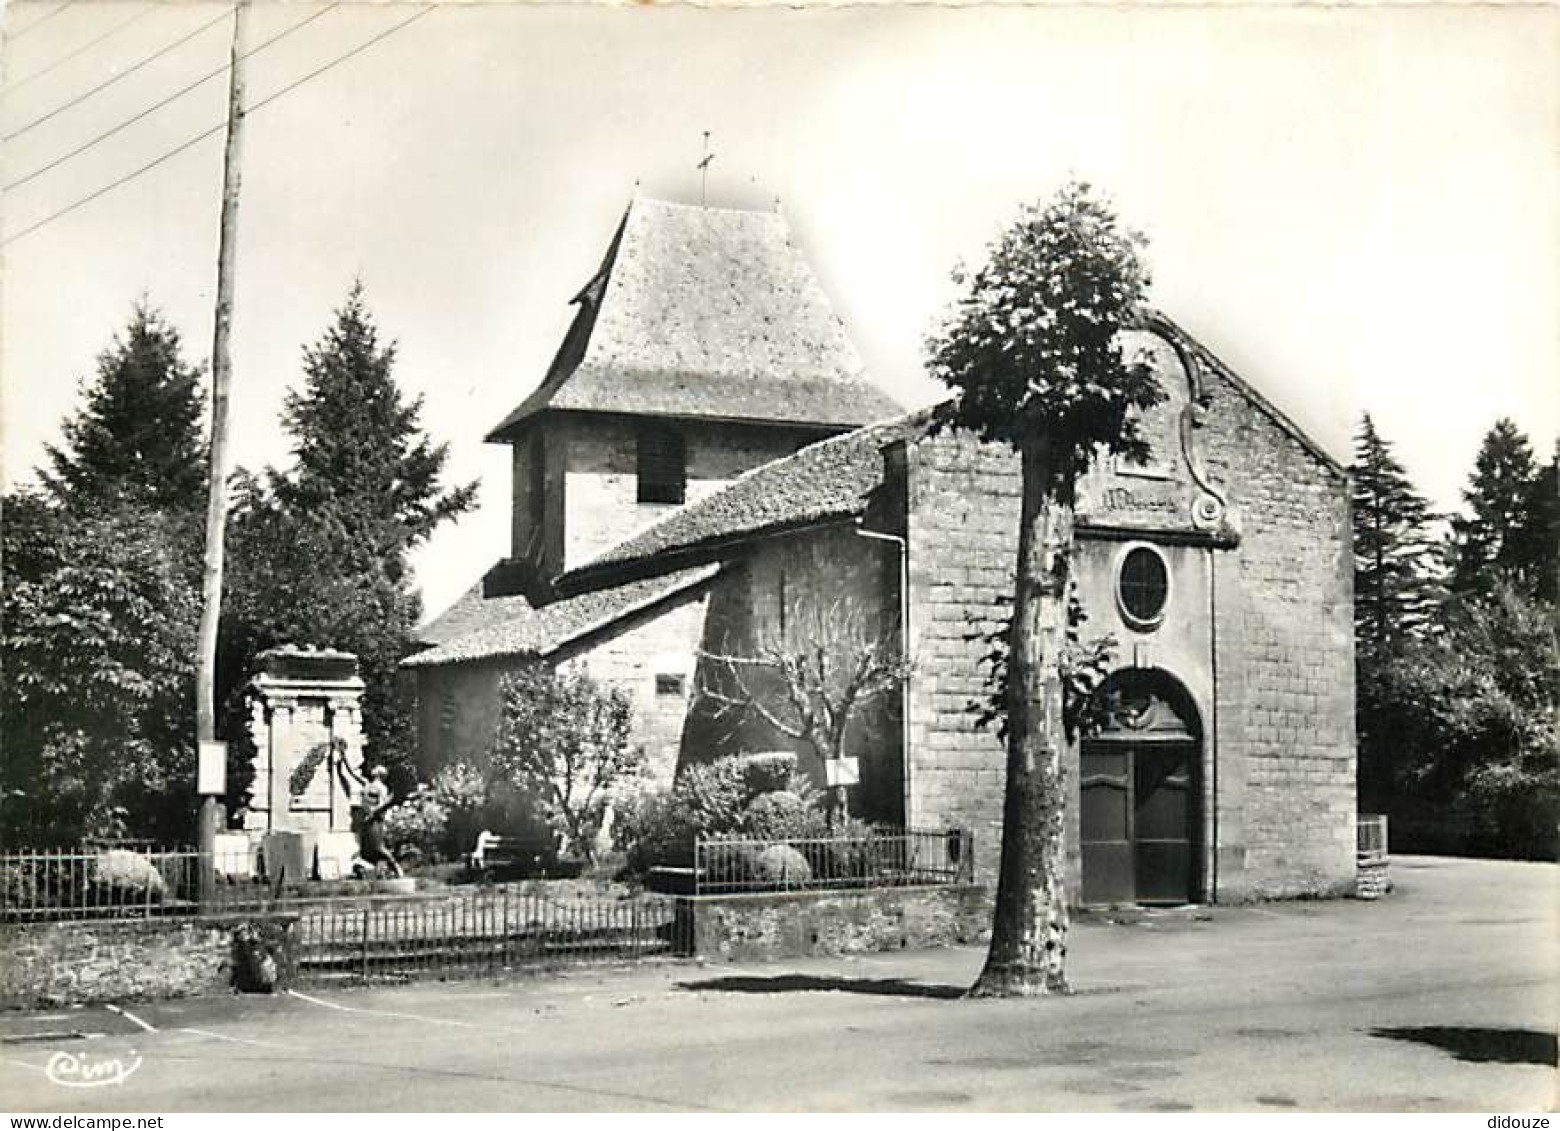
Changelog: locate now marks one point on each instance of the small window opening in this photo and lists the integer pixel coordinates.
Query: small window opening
(669, 683)
(663, 464)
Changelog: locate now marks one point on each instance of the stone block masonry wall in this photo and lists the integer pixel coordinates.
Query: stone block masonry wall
(1284, 627)
(962, 523)
(49, 964)
(644, 662)
(746, 928)
(601, 505)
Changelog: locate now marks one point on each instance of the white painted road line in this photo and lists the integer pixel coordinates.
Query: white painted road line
(385, 1012)
(128, 1016)
(235, 1040)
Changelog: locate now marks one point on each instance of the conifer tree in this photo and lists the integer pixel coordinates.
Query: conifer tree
(138, 437)
(1538, 541)
(1394, 567)
(99, 605)
(321, 551)
(1493, 535)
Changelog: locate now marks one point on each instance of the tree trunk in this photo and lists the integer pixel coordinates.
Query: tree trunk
(1029, 929)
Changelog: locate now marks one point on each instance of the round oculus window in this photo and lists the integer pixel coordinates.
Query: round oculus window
(1143, 587)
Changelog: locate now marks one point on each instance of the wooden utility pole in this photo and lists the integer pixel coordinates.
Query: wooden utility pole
(217, 498)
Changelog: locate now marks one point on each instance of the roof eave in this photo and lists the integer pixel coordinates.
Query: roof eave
(606, 575)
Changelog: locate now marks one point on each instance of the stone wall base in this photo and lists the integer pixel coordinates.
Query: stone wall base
(797, 924)
(1372, 880)
(51, 964)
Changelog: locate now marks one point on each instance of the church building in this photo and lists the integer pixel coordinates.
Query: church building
(706, 463)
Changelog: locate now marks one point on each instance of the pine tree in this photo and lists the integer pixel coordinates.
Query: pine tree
(138, 438)
(1034, 352)
(1538, 540)
(360, 444)
(321, 551)
(1500, 494)
(1395, 586)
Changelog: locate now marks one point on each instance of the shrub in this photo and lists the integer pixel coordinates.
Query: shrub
(714, 799)
(714, 794)
(654, 828)
(769, 772)
(462, 790)
(128, 874)
(416, 824)
(565, 740)
(780, 863)
(782, 815)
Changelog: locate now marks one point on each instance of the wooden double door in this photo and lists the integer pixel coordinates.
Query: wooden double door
(1140, 820)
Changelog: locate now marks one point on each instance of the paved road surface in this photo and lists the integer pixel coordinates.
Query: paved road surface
(1440, 997)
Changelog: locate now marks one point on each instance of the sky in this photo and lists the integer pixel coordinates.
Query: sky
(1354, 207)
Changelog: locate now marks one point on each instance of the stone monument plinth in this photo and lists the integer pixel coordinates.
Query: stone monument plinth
(307, 726)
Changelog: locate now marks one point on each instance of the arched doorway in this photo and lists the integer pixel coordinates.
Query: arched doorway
(1140, 793)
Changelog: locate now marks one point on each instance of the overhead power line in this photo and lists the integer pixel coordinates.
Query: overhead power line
(156, 106)
(112, 79)
(43, 19)
(218, 128)
(83, 49)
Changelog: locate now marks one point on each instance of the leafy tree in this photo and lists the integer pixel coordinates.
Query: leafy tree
(321, 552)
(99, 616)
(1470, 710)
(100, 603)
(565, 741)
(1499, 496)
(1034, 353)
(138, 437)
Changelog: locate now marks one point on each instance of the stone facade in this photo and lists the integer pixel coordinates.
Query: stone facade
(1257, 631)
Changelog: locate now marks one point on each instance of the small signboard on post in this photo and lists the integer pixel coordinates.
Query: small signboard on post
(842, 771)
(211, 771)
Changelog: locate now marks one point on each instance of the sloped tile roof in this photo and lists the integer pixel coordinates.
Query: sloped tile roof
(477, 628)
(708, 312)
(828, 480)
(831, 479)
(470, 612)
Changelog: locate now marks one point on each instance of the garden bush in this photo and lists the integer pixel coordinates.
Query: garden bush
(128, 876)
(718, 798)
(780, 863)
(782, 815)
(415, 826)
(768, 772)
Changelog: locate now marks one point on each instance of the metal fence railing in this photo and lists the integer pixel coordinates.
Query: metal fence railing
(347, 932)
(97, 882)
(1370, 838)
(894, 858)
(481, 932)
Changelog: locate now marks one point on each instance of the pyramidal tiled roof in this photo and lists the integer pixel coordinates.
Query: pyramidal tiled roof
(706, 312)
